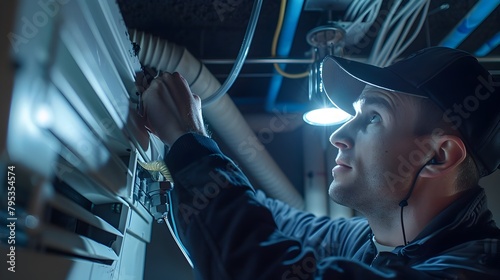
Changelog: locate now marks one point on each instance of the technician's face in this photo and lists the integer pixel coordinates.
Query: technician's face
(372, 147)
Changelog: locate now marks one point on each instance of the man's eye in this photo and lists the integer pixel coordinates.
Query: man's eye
(375, 118)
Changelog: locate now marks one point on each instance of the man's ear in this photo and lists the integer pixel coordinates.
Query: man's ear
(450, 151)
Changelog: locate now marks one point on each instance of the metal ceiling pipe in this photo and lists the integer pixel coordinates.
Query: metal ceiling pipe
(490, 45)
(469, 23)
(224, 117)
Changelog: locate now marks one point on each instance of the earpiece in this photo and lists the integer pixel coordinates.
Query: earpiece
(433, 161)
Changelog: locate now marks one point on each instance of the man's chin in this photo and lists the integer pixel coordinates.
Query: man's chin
(341, 196)
(335, 192)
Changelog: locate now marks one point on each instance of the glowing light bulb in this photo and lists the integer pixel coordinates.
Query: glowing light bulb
(326, 116)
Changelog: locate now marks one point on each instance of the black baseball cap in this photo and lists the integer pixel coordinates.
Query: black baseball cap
(453, 79)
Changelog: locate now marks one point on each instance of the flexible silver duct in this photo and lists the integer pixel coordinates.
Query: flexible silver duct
(223, 115)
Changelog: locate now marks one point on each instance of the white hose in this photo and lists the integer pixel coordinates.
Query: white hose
(224, 117)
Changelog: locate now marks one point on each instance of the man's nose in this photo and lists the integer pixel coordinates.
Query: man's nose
(341, 138)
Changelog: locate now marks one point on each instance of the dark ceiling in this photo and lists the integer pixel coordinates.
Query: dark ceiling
(211, 34)
(207, 34)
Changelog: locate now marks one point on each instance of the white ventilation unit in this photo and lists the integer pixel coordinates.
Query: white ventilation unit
(73, 143)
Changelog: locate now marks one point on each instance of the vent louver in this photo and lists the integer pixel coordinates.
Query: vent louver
(74, 141)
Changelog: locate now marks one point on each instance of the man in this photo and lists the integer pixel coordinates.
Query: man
(424, 131)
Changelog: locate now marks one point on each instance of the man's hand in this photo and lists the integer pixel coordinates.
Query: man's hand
(171, 109)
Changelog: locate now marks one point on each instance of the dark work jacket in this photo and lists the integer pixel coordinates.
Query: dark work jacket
(233, 232)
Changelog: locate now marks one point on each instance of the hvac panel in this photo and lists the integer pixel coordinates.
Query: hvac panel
(75, 138)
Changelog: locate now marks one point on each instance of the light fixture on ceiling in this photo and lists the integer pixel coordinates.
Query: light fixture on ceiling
(326, 116)
(325, 40)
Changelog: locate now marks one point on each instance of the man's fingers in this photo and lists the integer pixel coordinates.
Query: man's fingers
(171, 108)
(180, 92)
(197, 100)
(177, 75)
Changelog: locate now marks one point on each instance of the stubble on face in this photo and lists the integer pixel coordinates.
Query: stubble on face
(376, 149)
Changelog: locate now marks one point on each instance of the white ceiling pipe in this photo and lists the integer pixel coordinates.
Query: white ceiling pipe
(224, 117)
(260, 123)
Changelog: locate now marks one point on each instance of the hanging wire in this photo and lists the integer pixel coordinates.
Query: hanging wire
(415, 34)
(382, 34)
(399, 22)
(172, 228)
(240, 59)
(370, 13)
